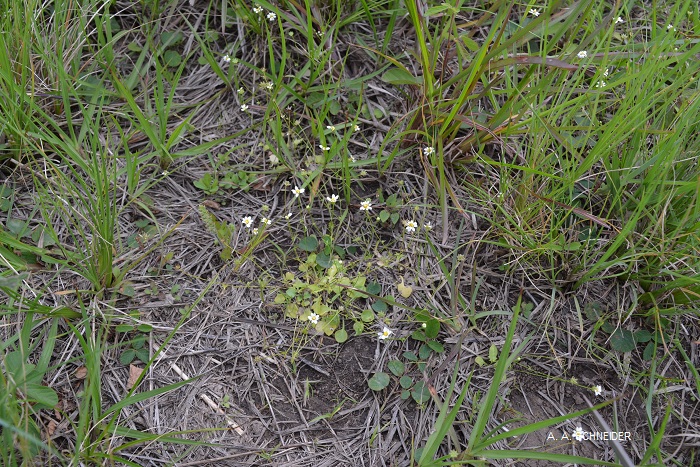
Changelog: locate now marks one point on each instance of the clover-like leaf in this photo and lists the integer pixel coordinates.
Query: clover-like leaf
(308, 243)
(396, 367)
(622, 340)
(379, 381)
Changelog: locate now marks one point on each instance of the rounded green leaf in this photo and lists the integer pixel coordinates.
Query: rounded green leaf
(172, 58)
(406, 381)
(358, 327)
(410, 356)
(378, 382)
(341, 335)
(432, 328)
(324, 260)
(396, 367)
(380, 306)
(374, 288)
(127, 356)
(405, 394)
(367, 315)
(308, 243)
(420, 392)
(622, 340)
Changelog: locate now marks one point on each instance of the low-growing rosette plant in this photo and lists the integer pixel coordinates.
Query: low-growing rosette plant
(324, 294)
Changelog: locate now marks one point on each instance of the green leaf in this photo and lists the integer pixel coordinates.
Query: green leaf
(410, 356)
(649, 351)
(170, 38)
(41, 394)
(432, 328)
(493, 353)
(280, 298)
(420, 392)
(145, 327)
(622, 340)
(341, 335)
(396, 367)
(405, 394)
(358, 327)
(418, 335)
(127, 356)
(406, 381)
(124, 328)
(378, 382)
(374, 288)
(380, 306)
(424, 352)
(436, 346)
(400, 76)
(642, 336)
(308, 243)
(324, 260)
(367, 315)
(384, 216)
(395, 218)
(479, 361)
(172, 58)
(143, 355)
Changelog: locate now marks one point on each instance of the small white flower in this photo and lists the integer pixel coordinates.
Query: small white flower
(227, 59)
(356, 128)
(313, 317)
(411, 226)
(428, 151)
(352, 158)
(330, 127)
(271, 16)
(578, 434)
(670, 27)
(582, 54)
(257, 9)
(255, 231)
(606, 72)
(274, 160)
(601, 84)
(297, 191)
(597, 390)
(266, 221)
(244, 107)
(332, 199)
(241, 90)
(619, 20)
(428, 226)
(267, 85)
(289, 214)
(534, 12)
(386, 332)
(324, 148)
(247, 221)
(424, 325)
(366, 205)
